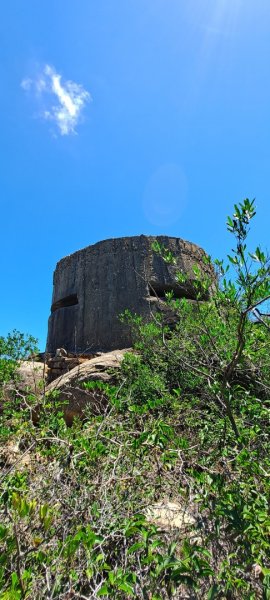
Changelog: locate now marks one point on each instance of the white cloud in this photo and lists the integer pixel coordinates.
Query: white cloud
(26, 84)
(63, 101)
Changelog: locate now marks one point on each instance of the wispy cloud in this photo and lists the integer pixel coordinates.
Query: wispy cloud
(63, 101)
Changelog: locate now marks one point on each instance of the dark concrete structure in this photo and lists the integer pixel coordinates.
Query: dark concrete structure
(93, 286)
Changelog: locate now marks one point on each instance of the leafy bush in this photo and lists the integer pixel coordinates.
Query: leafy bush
(14, 347)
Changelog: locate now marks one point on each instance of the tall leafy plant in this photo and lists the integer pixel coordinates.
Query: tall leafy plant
(217, 340)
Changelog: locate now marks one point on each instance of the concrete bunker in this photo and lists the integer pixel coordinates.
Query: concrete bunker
(93, 286)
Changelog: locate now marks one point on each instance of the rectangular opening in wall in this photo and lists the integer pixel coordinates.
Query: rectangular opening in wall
(71, 300)
(159, 291)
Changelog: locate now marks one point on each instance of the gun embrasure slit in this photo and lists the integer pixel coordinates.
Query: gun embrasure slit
(71, 300)
(160, 291)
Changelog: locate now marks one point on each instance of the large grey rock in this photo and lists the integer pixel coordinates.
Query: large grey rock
(93, 286)
(71, 396)
(100, 368)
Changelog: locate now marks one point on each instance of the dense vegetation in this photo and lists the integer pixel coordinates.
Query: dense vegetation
(186, 423)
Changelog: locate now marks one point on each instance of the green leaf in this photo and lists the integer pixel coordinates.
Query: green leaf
(104, 590)
(126, 587)
(135, 547)
(14, 580)
(213, 592)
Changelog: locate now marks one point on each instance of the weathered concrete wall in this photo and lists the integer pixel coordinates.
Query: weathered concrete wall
(93, 286)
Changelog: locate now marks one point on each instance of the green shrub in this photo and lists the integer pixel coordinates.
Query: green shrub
(14, 347)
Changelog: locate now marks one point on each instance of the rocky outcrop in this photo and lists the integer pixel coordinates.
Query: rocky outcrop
(59, 365)
(31, 377)
(171, 515)
(94, 285)
(70, 395)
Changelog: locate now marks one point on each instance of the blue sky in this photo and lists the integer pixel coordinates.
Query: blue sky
(126, 117)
